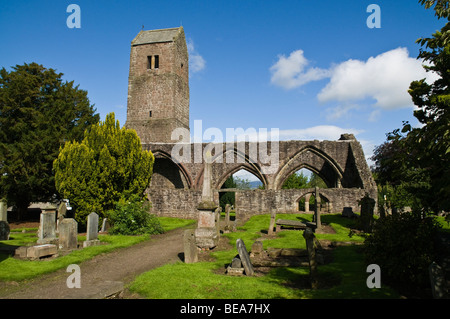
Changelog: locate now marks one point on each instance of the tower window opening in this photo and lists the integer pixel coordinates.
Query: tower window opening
(149, 62)
(156, 61)
(150, 113)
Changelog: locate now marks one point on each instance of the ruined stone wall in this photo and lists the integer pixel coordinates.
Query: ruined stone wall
(254, 202)
(178, 203)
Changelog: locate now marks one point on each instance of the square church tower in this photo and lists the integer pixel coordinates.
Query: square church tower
(158, 85)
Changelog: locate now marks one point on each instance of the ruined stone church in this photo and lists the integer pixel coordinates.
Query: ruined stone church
(158, 104)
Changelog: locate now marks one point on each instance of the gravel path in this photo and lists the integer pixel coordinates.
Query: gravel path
(105, 274)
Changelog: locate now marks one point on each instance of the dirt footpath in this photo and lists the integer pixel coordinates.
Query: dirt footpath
(105, 274)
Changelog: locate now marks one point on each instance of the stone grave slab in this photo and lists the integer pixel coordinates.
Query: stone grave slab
(245, 258)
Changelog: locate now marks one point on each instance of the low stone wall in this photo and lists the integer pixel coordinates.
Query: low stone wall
(252, 202)
(183, 203)
(180, 203)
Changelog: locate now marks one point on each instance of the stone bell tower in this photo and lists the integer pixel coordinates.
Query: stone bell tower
(158, 85)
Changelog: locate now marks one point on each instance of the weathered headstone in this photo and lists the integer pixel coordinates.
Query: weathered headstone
(92, 231)
(36, 252)
(317, 209)
(367, 209)
(105, 225)
(257, 248)
(190, 247)
(273, 215)
(4, 230)
(227, 214)
(348, 212)
(437, 279)
(47, 227)
(309, 238)
(235, 268)
(3, 211)
(68, 232)
(217, 220)
(236, 262)
(245, 258)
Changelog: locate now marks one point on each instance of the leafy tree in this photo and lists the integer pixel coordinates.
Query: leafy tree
(227, 197)
(316, 181)
(38, 113)
(421, 157)
(242, 183)
(404, 245)
(108, 165)
(296, 181)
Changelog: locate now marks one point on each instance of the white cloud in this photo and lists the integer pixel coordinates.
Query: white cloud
(320, 132)
(385, 78)
(292, 72)
(196, 61)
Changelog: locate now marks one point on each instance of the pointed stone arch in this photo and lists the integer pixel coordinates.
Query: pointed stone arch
(167, 171)
(246, 163)
(315, 160)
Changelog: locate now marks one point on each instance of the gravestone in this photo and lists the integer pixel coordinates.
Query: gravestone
(68, 232)
(236, 262)
(217, 220)
(348, 212)
(367, 208)
(227, 214)
(105, 225)
(47, 227)
(92, 231)
(308, 234)
(273, 215)
(3, 211)
(437, 279)
(245, 258)
(190, 247)
(61, 214)
(257, 248)
(235, 268)
(4, 230)
(317, 209)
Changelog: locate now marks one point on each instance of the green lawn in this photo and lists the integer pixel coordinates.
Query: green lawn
(15, 269)
(345, 276)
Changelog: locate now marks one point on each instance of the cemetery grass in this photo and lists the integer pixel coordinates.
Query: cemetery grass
(344, 277)
(13, 269)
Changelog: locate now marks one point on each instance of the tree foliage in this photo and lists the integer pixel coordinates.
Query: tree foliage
(404, 245)
(298, 180)
(420, 157)
(108, 165)
(131, 217)
(38, 113)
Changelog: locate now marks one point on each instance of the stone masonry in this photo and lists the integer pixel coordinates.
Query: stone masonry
(158, 102)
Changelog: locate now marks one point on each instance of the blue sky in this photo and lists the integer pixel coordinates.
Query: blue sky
(312, 69)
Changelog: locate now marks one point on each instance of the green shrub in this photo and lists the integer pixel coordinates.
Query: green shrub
(132, 217)
(403, 246)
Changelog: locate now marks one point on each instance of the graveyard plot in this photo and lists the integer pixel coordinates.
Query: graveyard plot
(14, 269)
(343, 277)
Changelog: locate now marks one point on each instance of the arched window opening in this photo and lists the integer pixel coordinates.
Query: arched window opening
(240, 180)
(166, 174)
(303, 178)
(307, 203)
